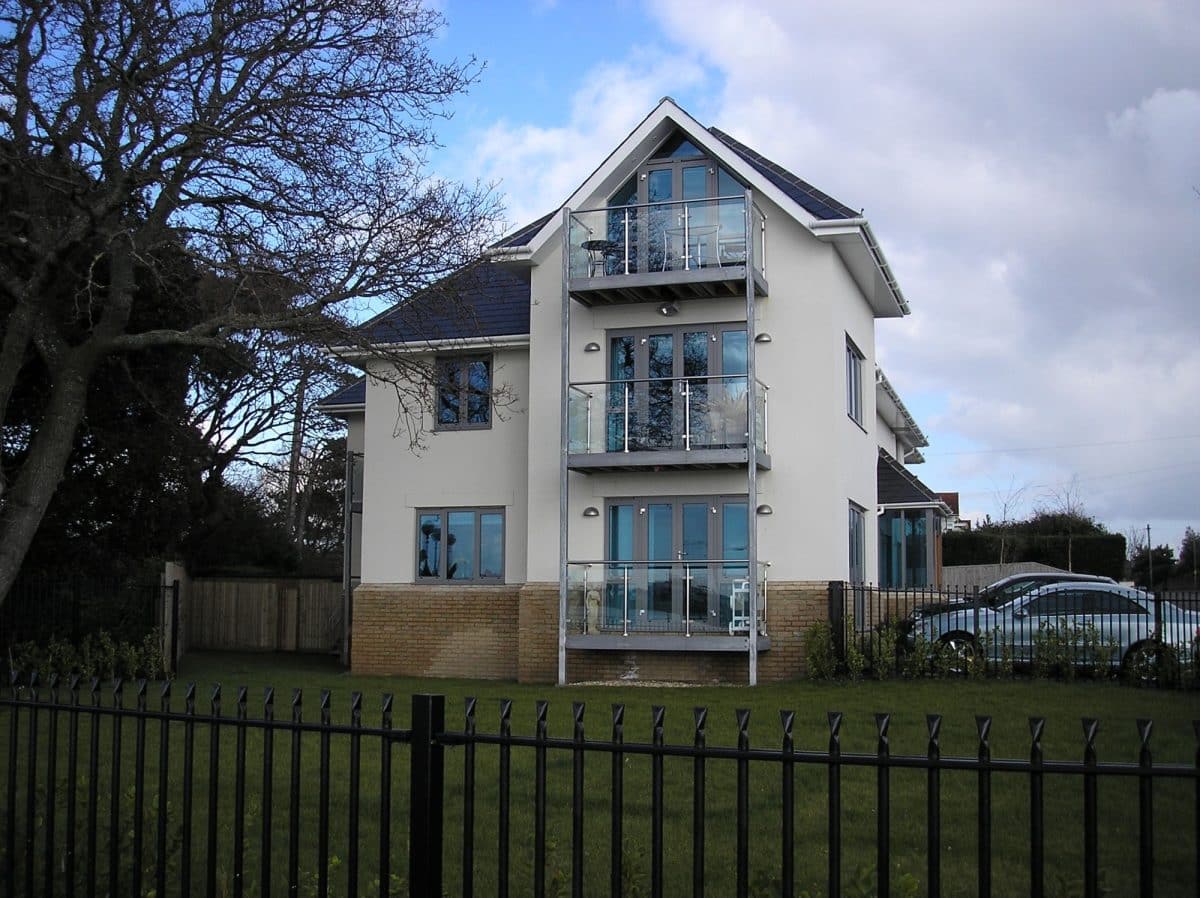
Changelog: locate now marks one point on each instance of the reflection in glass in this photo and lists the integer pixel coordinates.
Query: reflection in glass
(491, 545)
(429, 541)
(460, 545)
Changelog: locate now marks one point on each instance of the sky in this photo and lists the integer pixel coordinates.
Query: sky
(1031, 169)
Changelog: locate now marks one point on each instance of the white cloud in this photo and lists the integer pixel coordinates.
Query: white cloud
(1031, 179)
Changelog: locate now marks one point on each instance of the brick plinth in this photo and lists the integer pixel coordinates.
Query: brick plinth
(416, 630)
(537, 656)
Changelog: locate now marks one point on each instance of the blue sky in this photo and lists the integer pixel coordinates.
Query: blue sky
(1032, 175)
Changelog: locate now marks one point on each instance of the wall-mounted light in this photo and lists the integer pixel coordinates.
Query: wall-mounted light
(592, 347)
(591, 512)
(764, 337)
(669, 308)
(764, 509)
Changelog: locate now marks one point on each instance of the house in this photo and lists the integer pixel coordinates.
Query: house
(694, 438)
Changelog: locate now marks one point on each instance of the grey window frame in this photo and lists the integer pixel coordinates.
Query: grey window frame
(854, 382)
(443, 512)
(857, 541)
(463, 389)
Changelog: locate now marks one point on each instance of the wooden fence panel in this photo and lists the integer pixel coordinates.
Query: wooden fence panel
(281, 615)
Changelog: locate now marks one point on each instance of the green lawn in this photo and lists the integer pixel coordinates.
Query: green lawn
(1010, 703)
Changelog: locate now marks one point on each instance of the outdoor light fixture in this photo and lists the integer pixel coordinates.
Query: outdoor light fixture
(764, 337)
(669, 308)
(591, 512)
(592, 347)
(765, 509)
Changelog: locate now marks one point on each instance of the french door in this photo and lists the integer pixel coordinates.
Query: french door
(671, 559)
(677, 388)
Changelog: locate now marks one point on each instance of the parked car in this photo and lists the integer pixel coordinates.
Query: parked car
(1010, 587)
(1122, 621)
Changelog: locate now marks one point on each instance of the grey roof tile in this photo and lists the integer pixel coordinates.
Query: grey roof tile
(894, 485)
(352, 394)
(482, 300)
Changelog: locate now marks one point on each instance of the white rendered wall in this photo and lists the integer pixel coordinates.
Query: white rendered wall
(821, 459)
(457, 468)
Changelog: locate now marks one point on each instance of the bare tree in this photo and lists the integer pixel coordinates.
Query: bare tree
(273, 150)
(1065, 503)
(1009, 499)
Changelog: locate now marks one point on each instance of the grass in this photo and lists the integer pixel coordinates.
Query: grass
(1010, 704)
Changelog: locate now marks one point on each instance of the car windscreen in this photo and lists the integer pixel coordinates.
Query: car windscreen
(1008, 592)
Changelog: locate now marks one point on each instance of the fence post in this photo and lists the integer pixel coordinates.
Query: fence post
(837, 618)
(425, 803)
(175, 626)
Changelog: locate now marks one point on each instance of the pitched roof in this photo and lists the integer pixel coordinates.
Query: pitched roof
(352, 394)
(820, 204)
(481, 300)
(521, 236)
(896, 486)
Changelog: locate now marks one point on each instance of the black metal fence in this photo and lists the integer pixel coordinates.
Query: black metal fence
(1077, 630)
(39, 608)
(105, 799)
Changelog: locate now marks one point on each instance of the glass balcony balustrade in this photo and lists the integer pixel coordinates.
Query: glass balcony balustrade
(702, 597)
(652, 238)
(662, 414)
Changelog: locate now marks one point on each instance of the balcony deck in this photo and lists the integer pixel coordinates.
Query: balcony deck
(664, 460)
(722, 282)
(665, 642)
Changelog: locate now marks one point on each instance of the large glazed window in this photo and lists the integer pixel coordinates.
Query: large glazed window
(858, 543)
(904, 548)
(460, 544)
(464, 398)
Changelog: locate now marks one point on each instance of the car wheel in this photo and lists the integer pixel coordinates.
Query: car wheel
(959, 651)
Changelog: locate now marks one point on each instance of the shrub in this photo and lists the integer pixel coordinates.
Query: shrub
(856, 658)
(819, 651)
(98, 655)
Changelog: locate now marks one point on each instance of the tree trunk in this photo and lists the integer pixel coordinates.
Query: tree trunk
(26, 503)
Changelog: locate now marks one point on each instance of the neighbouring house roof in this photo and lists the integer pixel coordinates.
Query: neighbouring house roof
(896, 486)
(479, 301)
(820, 204)
(348, 398)
(521, 235)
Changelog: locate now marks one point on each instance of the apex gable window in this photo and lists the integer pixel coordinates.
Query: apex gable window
(464, 392)
(460, 544)
(854, 366)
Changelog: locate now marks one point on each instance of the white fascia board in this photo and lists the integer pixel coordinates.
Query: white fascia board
(340, 411)
(893, 410)
(356, 354)
(913, 506)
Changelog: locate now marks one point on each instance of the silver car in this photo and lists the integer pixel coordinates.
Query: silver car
(1104, 623)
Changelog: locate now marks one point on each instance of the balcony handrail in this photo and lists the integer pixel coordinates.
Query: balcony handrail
(576, 384)
(728, 562)
(740, 197)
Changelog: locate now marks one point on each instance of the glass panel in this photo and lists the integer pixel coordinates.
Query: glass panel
(479, 391)
(429, 542)
(678, 147)
(732, 218)
(915, 548)
(491, 544)
(460, 545)
(695, 548)
(449, 397)
(659, 185)
(622, 229)
(695, 364)
(733, 361)
(660, 393)
(659, 188)
(620, 548)
(660, 546)
(891, 550)
(695, 182)
(621, 367)
(735, 544)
